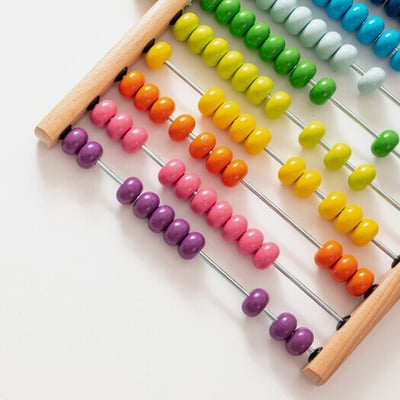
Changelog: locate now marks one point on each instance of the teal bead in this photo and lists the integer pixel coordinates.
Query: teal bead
(256, 35)
(209, 5)
(384, 143)
(286, 60)
(242, 22)
(271, 48)
(322, 91)
(226, 10)
(302, 74)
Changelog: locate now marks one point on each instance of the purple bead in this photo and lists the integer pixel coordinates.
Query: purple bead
(177, 230)
(145, 204)
(299, 342)
(283, 327)
(129, 190)
(74, 141)
(89, 154)
(191, 245)
(255, 302)
(161, 218)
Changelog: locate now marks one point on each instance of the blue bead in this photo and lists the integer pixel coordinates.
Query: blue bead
(395, 61)
(370, 30)
(386, 43)
(354, 17)
(337, 8)
(392, 8)
(320, 3)
(377, 2)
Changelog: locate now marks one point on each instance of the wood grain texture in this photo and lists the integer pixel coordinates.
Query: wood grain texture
(125, 53)
(363, 319)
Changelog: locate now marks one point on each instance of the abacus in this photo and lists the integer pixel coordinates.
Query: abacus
(89, 97)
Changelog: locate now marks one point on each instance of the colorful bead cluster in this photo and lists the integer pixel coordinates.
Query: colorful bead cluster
(271, 47)
(145, 205)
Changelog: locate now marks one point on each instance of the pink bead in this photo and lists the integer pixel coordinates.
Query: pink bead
(103, 112)
(250, 241)
(219, 213)
(171, 172)
(119, 125)
(265, 255)
(203, 200)
(134, 139)
(234, 228)
(187, 185)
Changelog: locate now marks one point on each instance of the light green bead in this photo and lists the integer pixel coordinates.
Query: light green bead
(337, 156)
(184, 26)
(362, 176)
(214, 51)
(200, 38)
(258, 91)
(312, 134)
(229, 64)
(244, 77)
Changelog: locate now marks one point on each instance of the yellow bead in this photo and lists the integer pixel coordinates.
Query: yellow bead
(184, 26)
(291, 170)
(332, 205)
(200, 38)
(258, 91)
(312, 134)
(362, 176)
(241, 127)
(348, 219)
(337, 156)
(210, 101)
(226, 113)
(244, 77)
(364, 232)
(256, 142)
(277, 105)
(229, 64)
(214, 51)
(307, 183)
(157, 55)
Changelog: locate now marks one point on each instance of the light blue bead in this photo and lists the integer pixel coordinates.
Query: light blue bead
(343, 59)
(265, 5)
(370, 30)
(395, 61)
(297, 20)
(281, 10)
(371, 80)
(354, 17)
(337, 8)
(386, 43)
(320, 3)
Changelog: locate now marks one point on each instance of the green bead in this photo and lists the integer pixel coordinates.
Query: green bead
(226, 10)
(322, 91)
(209, 5)
(286, 61)
(302, 74)
(337, 156)
(271, 48)
(242, 22)
(384, 143)
(256, 35)
(362, 176)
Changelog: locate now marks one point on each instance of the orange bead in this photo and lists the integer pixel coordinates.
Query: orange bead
(131, 83)
(219, 158)
(161, 110)
(234, 172)
(360, 282)
(146, 96)
(181, 127)
(202, 145)
(328, 254)
(344, 268)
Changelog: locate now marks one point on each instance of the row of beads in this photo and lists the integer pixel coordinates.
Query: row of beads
(284, 328)
(271, 47)
(230, 65)
(218, 160)
(369, 30)
(344, 268)
(391, 7)
(146, 205)
(218, 214)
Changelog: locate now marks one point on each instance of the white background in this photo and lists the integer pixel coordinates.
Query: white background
(95, 306)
